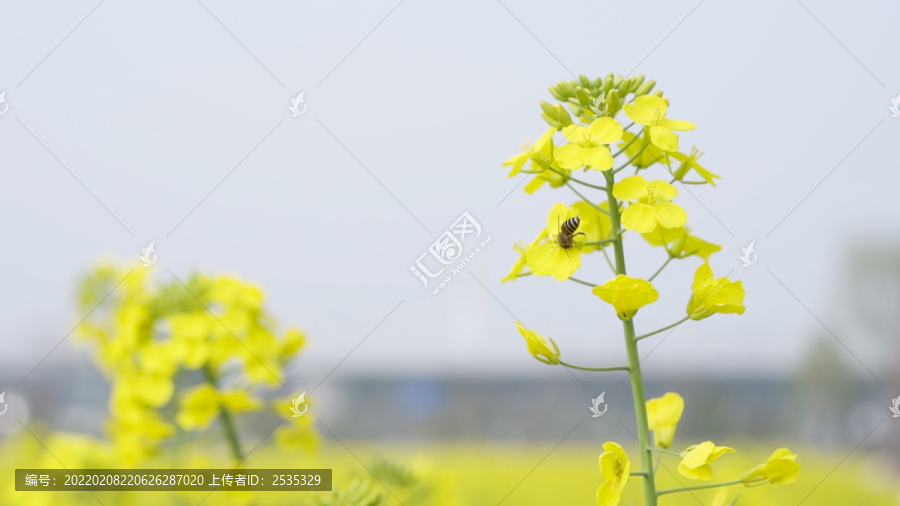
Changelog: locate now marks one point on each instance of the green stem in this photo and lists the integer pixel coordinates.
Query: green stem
(686, 182)
(634, 360)
(599, 243)
(628, 144)
(589, 185)
(699, 487)
(639, 473)
(664, 450)
(225, 416)
(595, 206)
(661, 268)
(599, 369)
(679, 322)
(585, 283)
(633, 158)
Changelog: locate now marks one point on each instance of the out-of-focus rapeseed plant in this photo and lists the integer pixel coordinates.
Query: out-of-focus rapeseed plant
(583, 138)
(182, 355)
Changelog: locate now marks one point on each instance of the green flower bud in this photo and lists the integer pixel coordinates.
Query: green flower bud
(557, 93)
(607, 83)
(638, 80)
(583, 97)
(555, 115)
(644, 88)
(613, 102)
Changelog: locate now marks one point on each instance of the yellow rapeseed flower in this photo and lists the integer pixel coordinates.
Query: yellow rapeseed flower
(595, 225)
(626, 294)
(616, 469)
(689, 162)
(781, 467)
(203, 403)
(680, 243)
(548, 257)
(641, 152)
(540, 154)
(712, 295)
(651, 204)
(695, 460)
(650, 111)
(663, 414)
(538, 346)
(520, 262)
(587, 146)
(541, 157)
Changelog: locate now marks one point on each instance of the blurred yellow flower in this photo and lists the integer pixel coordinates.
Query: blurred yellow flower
(651, 204)
(695, 460)
(299, 432)
(641, 151)
(548, 257)
(587, 146)
(721, 499)
(538, 346)
(712, 295)
(680, 243)
(202, 404)
(651, 111)
(626, 294)
(781, 467)
(663, 414)
(616, 469)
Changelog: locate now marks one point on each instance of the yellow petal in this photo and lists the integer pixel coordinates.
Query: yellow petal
(677, 124)
(669, 215)
(662, 189)
(663, 414)
(550, 259)
(663, 138)
(639, 217)
(517, 162)
(631, 188)
(605, 130)
(571, 156)
(646, 109)
(598, 158)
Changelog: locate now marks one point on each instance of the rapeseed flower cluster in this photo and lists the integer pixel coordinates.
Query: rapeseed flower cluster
(599, 128)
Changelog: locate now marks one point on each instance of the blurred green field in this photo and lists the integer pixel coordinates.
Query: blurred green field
(519, 475)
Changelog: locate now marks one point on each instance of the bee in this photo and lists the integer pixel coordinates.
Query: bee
(566, 235)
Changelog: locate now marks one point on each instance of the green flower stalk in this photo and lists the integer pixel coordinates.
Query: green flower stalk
(605, 211)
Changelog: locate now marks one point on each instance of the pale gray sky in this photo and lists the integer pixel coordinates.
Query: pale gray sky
(139, 114)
